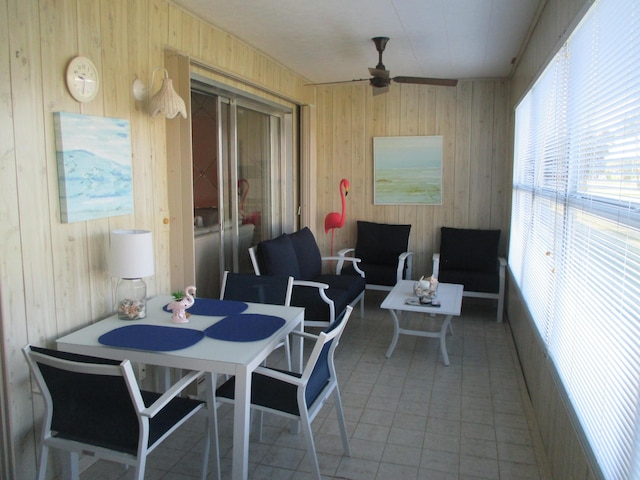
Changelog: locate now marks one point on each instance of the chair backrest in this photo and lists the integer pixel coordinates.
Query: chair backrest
(469, 249)
(381, 243)
(320, 368)
(275, 290)
(295, 254)
(89, 400)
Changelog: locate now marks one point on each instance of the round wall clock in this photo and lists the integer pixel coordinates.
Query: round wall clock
(82, 79)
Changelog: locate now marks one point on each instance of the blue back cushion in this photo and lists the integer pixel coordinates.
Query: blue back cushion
(469, 249)
(278, 257)
(308, 254)
(381, 243)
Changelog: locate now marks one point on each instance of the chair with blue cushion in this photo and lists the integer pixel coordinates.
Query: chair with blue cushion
(94, 406)
(470, 257)
(269, 289)
(324, 296)
(301, 396)
(383, 250)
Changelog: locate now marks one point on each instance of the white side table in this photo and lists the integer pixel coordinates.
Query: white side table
(450, 296)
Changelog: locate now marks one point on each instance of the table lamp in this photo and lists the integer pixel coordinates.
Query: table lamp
(131, 259)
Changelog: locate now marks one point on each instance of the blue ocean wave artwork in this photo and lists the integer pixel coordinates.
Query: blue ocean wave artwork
(94, 166)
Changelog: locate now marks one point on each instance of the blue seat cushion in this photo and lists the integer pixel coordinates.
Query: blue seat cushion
(278, 257)
(315, 308)
(468, 249)
(376, 274)
(308, 254)
(472, 281)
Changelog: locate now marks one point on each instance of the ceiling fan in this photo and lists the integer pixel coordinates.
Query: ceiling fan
(381, 79)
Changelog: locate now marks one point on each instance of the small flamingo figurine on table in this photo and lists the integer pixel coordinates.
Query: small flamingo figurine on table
(179, 307)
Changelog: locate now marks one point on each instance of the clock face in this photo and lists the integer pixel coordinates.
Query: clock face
(82, 79)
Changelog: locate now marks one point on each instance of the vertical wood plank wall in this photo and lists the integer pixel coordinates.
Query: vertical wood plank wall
(476, 176)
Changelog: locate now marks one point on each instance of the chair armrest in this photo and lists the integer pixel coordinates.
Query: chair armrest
(342, 257)
(305, 335)
(322, 287)
(174, 391)
(405, 258)
(436, 264)
(285, 377)
(311, 284)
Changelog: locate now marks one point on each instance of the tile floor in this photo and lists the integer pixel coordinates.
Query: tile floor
(409, 416)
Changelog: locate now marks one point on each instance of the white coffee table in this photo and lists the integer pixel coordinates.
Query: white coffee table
(450, 297)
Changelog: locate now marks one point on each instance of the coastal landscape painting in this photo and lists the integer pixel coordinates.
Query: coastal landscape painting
(407, 170)
(94, 166)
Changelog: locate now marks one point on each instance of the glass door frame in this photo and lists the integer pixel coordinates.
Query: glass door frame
(281, 128)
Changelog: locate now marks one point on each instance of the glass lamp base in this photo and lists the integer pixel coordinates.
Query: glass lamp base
(131, 299)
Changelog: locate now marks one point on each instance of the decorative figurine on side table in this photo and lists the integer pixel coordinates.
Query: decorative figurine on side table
(179, 306)
(426, 288)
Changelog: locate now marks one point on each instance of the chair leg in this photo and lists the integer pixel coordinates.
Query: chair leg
(44, 458)
(74, 468)
(311, 448)
(207, 449)
(343, 426)
(287, 352)
(500, 309)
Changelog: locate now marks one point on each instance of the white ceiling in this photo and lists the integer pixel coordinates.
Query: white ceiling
(330, 40)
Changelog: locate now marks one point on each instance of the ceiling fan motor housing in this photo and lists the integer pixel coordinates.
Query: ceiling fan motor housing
(379, 82)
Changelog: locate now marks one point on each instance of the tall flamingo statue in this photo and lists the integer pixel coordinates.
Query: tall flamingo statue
(335, 220)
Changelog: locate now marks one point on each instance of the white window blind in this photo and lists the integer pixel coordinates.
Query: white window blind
(575, 228)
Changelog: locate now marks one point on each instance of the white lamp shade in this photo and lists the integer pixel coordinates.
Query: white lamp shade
(131, 254)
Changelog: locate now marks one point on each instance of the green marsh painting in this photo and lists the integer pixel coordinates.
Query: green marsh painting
(407, 170)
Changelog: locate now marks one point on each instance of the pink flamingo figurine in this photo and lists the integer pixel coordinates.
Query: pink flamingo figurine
(335, 220)
(243, 190)
(179, 307)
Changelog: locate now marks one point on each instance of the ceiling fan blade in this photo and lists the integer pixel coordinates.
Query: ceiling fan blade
(334, 83)
(447, 82)
(377, 72)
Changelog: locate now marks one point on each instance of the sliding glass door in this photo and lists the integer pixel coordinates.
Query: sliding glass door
(237, 164)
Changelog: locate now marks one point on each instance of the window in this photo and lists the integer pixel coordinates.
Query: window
(575, 227)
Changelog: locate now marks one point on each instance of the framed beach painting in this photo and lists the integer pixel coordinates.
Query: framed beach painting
(407, 170)
(94, 166)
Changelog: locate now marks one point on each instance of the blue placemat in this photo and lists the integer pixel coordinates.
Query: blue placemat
(247, 327)
(151, 337)
(215, 308)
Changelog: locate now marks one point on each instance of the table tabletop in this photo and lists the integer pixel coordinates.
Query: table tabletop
(449, 294)
(208, 354)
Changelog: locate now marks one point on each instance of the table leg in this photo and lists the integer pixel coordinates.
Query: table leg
(443, 339)
(396, 333)
(241, 424)
(211, 380)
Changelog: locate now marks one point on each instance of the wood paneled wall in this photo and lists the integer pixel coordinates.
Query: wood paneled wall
(53, 276)
(473, 121)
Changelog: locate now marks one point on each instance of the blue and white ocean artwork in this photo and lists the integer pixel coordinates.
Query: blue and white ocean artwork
(94, 166)
(407, 170)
